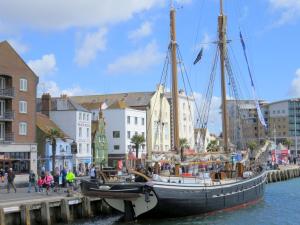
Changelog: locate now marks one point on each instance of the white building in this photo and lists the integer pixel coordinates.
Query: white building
(75, 121)
(186, 117)
(123, 123)
(157, 110)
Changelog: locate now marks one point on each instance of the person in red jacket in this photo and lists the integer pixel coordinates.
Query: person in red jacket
(48, 181)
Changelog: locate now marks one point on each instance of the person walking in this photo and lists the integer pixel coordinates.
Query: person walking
(93, 172)
(32, 181)
(10, 180)
(70, 178)
(63, 174)
(47, 181)
(2, 173)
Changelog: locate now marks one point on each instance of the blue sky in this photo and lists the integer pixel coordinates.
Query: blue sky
(86, 47)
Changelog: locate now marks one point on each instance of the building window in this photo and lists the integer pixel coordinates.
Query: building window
(143, 121)
(2, 130)
(23, 85)
(128, 134)
(80, 132)
(80, 148)
(83, 116)
(87, 117)
(87, 148)
(136, 133)
(143, 134)
(22, 107)
(23, 128)
(135, 120)
(128, 119)
(80, 116)
(2, 108)
(2, 83)
(116, 147)
(87, 132)
(116, 134)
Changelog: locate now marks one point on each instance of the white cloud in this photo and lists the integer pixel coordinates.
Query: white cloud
(18, 46)
(214, 119)
(44, 66)
(289, 9)
(143, 31)
(295, 85)
(57, 14)
(93, 43)
(54, 90)
(183, 1)
(137, 61)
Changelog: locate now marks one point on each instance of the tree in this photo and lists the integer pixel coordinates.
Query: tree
(137, 140)
(287, 142)
(52, 135)
(252, 145)
(183, 143)
(212, 146)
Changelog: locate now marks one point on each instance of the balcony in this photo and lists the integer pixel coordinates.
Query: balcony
(7, 93)
(7, 116)
(8, 138)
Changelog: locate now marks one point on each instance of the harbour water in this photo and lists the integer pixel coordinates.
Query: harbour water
(280, 206)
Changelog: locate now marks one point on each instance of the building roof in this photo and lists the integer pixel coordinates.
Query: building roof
(118, 105)
(70, 105)
(133, 99)
(10, 58)
(45, 124)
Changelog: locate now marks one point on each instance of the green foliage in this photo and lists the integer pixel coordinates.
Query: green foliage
(212, 146)
(137, 140)
(52, 135)
(252, 145)
(183, 143)
(287, 142)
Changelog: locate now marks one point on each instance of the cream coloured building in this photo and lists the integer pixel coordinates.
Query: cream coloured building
(186, 117)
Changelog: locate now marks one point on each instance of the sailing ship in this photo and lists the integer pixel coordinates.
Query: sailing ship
(175, 196)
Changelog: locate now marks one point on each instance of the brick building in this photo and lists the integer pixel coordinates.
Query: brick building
(17, 112)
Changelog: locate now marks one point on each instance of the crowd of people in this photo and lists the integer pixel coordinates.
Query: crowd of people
(45, 181)
(42, 182)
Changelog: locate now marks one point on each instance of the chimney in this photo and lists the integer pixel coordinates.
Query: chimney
(46, 104)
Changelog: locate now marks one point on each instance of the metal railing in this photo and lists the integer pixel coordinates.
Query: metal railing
(8, 115)
(8, 138)
(7, 92)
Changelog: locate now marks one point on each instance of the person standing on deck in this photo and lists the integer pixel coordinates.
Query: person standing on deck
(10, 180)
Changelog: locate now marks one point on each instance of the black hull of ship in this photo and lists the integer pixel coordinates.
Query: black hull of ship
(174, 201)
(179, 200)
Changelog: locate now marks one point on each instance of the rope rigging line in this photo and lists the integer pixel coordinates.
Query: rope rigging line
(233, 85)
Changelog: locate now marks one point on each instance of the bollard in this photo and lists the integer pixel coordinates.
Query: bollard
(45, 213)
(86, 207)
(25, 214)
(65, 211)
(2, 217)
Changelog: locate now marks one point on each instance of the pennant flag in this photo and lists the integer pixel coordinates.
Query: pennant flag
(199, 56)
(259, 113)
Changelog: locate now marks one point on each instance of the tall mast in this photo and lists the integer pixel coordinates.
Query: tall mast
(173, 46)
(222, 21)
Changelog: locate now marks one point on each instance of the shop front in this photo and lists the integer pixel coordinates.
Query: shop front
(21, 158)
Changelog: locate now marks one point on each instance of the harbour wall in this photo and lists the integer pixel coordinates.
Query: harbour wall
(64, 210)
(283, 174)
